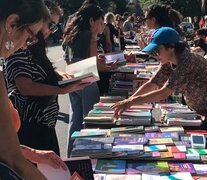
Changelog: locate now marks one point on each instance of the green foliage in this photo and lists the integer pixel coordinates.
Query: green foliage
(186, 7)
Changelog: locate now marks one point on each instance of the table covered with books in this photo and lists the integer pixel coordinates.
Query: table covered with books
(137, 147)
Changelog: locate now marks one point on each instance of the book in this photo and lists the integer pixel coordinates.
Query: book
(113, 57)
(183, 122)
(192, 156)
(111, 99)
(123, 177)
(109, 166)
(86, 141)
(199, 151)
(181, 167)
(155, 148)
(173, 135)
(167, 176)
(84, 70)
(99, 176)
(155, 141)
(81, 165)
(151, 129)
(77, 167)
(201, 169)
(127, 129)
(137, 168)
(180, 155)
(176, 149)
(172, 129)
(81, 134)
(123, 148)
(91, 147)
(166, 155)
(184, 143)
(204, 158)
(130, 140)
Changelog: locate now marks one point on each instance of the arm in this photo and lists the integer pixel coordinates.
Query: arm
(29, 88)
(108, 41)
(40, 156)
(145, 88)
(10, 152)
(153, 96)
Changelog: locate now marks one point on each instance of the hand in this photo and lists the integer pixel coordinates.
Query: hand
(50, 158)
(65, 75)
(121, 106)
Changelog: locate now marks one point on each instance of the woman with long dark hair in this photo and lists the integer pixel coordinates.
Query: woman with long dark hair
(18, 18)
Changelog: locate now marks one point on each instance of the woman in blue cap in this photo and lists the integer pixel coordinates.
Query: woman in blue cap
(179, 71)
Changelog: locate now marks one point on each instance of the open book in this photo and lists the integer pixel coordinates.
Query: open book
(113, 57)
(84, 70)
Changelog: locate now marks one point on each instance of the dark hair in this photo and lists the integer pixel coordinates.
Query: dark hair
(179, 47)
(81, 20)
(160, 13)
(54, 8)
(29, 11)
(175, 16)
(202, 32)
(39, 55)
(87, 2)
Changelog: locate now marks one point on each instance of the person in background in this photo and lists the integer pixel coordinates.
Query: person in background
(16, 19)
(82, 39)
(179, 71)
(33, 84)
(200, 41)
(119, 23)
(110, 31)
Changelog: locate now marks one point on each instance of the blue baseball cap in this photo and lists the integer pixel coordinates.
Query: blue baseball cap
(163, 35)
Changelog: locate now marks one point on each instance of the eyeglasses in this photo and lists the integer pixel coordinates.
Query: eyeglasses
(52, 27)
(32, 39)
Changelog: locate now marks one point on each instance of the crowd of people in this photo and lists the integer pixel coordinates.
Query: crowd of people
(29, 82)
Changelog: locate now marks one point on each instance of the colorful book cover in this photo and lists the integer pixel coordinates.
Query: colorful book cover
(137, 168)
(173, 135)
(79, 134)
(123, 177)
(125, 129)
(129, 140)
(110, 166)
(204, 158)
(184, 143)
(167, 176)
(176, 149)
(123, 148)
(180, 155)
(155, 148)
(151, 129)
(201, 169)
(155, 141)
(156, 154)
(166, 154)
(86, 141)
(192, 156)
(172, 129)
(181, 167)
(197, 151)
(99, 176)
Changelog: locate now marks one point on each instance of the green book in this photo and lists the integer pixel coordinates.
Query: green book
(197, 151)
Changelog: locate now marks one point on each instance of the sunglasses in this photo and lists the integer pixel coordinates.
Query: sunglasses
(32, 39)
(52, 27)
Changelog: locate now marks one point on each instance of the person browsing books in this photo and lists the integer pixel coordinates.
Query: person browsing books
(16, 17)
(180, 71)
(32, 83)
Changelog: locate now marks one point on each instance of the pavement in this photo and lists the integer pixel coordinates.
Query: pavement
(55, 54)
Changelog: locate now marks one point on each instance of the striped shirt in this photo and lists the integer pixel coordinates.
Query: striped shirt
(32, 109)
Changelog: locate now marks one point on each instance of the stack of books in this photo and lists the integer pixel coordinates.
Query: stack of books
(102, 113)
(174, 114)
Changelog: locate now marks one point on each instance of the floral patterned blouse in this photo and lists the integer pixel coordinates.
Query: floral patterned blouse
(189, 77)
